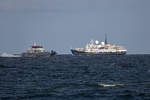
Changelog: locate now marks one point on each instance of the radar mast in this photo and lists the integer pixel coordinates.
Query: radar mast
(106, 39)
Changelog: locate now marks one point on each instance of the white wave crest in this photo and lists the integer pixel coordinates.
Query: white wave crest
(7, 55)
(110, 85)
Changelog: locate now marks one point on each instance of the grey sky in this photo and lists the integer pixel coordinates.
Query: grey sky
(61, 24)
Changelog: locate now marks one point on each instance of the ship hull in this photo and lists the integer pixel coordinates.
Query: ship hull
(42, 54)
(75, 52)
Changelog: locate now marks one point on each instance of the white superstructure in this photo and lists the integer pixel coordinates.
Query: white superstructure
(95, 46)
(36, 49)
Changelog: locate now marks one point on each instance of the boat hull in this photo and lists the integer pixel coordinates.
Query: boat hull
(42, 54)
(75, 52)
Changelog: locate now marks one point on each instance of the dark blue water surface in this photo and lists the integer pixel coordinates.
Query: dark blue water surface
(67, 77)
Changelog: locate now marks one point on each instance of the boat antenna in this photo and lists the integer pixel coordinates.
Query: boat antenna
(106, 39)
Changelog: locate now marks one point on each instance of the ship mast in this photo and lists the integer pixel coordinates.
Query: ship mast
(106, 39)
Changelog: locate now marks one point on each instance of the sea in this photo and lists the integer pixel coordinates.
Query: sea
(67, 77)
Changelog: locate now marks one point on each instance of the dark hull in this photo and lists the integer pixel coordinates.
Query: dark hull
(43, 54)
(75, 52)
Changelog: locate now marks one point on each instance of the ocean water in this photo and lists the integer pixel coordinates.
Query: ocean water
(67, 77)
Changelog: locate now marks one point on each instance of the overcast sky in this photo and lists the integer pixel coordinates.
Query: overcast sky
(62, 24)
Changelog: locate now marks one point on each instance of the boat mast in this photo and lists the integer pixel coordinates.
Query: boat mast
(106, 39)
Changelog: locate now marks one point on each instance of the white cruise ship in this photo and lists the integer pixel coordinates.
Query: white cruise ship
(98, 48)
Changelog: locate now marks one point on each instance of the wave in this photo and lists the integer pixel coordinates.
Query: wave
(7, 55)
(110, 85)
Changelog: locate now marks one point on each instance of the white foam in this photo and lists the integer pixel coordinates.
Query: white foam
(7, 55)
(110, 85)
